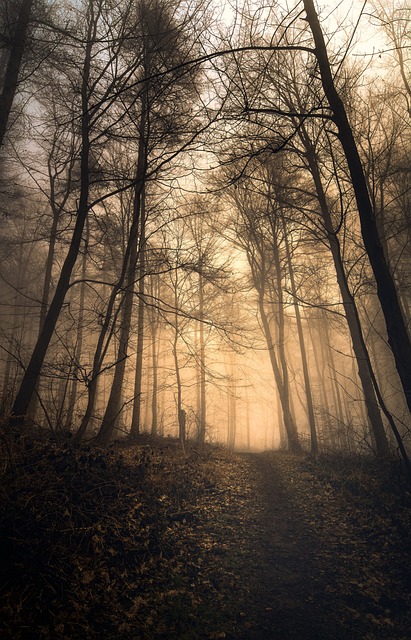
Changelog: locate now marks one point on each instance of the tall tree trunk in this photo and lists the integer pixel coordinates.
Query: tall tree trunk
(292, 433)
(13, 66)
(198, 379)
(329, 358)
(154, 356)
(114, 404)
(46, 291)
(203, 409)
(100, 351)
(114, 407)
(32, 409)
(303, 352)
(32, 373)
(14, 340)
(232, 405)
(181, 414)
(79, 341)
(108, 325)
(350, 308)
(282, 433)
(136, 417)
(289, 424)
(322, 386)
(397, 332)
(154, 392)
(247, 420)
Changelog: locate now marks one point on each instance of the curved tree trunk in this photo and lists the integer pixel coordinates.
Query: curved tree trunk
(398, 337)
(350, 309)
(32, 373)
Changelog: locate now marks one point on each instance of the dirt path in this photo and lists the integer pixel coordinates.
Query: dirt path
(288, 597)
(272, 557)
(271, 568)
(147, 544)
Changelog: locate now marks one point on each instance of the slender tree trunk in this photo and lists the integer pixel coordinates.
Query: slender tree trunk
(232, 405)
(145, 397)
(329, 355)
(198, 379)
(100, 351)
(79, 341)
(114, 406)
(397, 333)
(303, 352)
(203, 409)
(162, 358)
(350, 308)
(181, 415)
(321, 364)
(154, 359)
(14, 340)
(154, 393)
(32, 409)
(13, 66)
(108, 326)
(284, 389)
(136, 418)
(289, 424)
(32, 373)
(247, 420)
(281, 427)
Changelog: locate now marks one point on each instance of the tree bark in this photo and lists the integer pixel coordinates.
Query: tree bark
(350, 307)
(154, 392)
(113, 408)
(289, 424)
(232, 405)
(79, 341)
(154, 279)
(136, 417)
(13, 66)
(32, 373)
(181, 415)
(203, 408)
(397, 333)
(303, 352)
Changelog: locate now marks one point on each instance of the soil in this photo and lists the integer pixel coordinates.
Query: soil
(144, 543)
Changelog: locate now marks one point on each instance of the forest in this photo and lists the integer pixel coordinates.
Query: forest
(205, 250)
(205, 224)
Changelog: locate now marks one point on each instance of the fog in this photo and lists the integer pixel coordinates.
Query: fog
(201, 237)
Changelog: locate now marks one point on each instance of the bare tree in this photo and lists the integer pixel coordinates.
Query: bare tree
(397, 332)
(15, 57)
(259, 233)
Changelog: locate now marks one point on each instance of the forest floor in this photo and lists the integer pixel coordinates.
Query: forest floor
(143, 543)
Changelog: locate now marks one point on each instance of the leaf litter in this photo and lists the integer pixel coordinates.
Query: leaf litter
(142, 542)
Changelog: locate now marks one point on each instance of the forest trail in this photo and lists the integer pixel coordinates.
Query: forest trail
(275, 553)
(297, 559)
(276, 584)
(143, 543)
